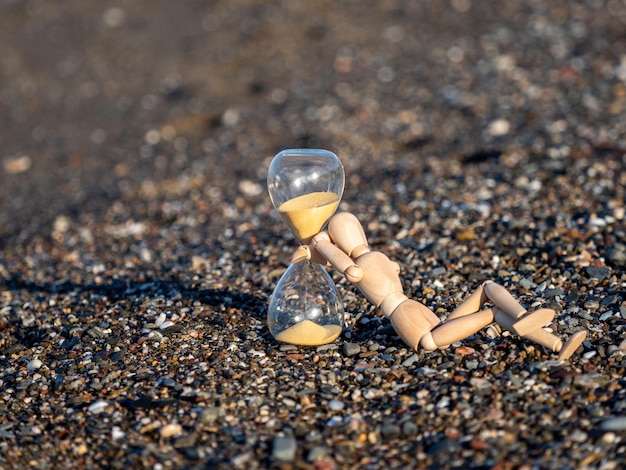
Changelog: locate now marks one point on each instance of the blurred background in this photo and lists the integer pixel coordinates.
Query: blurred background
(104, 99)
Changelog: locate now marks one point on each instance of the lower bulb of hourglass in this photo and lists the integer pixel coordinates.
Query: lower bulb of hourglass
(305, 308)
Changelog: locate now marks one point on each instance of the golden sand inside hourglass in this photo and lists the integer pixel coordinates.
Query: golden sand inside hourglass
(308, 333)
(306, 215)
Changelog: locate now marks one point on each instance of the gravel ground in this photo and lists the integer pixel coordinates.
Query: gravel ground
(481, 140)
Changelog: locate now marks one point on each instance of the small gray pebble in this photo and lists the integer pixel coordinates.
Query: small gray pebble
(526, 283)
(598, 272)
(613, 424)
(335, 405)
(617, 257)
(610, 300)
(351, 349)
(284, 449)
(34, 365)
(437, 272)
(409, 429)
(390, 431)
(578, 436)
(409, 361)
(317, 452)
(210, 415)
(553, 292)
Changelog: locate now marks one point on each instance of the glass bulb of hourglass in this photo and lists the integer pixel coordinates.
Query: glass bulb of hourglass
(305, 186)
(305, 308)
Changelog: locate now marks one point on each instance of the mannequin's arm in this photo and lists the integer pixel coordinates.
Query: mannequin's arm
(337, 258)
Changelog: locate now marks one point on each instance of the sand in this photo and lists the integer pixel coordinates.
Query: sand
(308, 333)
(306, 215)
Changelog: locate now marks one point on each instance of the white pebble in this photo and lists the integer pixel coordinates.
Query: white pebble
(597, 222)
(288, 402)
(160, 319)
(335, 405)
(15, 165)
(166, 324)
(34, 365)
(590, 354)
(609, 437)
(250, 189)
(254, 352)
(492, 332)
(117, 433)
(98, 407)
(606, 315)
(372, 393)
(499, 127)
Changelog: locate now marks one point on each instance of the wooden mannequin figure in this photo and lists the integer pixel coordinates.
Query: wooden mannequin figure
(345, 247)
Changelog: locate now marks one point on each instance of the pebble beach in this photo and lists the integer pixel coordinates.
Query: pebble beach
(139, 247)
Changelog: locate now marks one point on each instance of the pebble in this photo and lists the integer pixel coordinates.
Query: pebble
(553, 292)
(527, 283)
(616, 256)
(98, 407)
(284, 449)
(409, 429)
(158, 321)
(210, 415)
(317, 453)
(609, 437)
(409, 361)
(372, 393)
(171, 430)
(351, 349)
(17, 165)
(117, 433)
(606, 315)
(599, 273)
(34, 364)
(590, 380)
(437, 272)
(166, 324)
(335, 405)
(390, 431)
(617, 424)
(480, 383)
(578, 436)
(499, 127)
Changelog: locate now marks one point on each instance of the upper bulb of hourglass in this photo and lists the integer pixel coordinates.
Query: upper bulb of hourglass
(305, 186)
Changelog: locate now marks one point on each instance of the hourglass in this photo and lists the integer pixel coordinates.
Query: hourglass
(305, 186)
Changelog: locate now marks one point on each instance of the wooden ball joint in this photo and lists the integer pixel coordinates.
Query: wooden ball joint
(345, 247)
